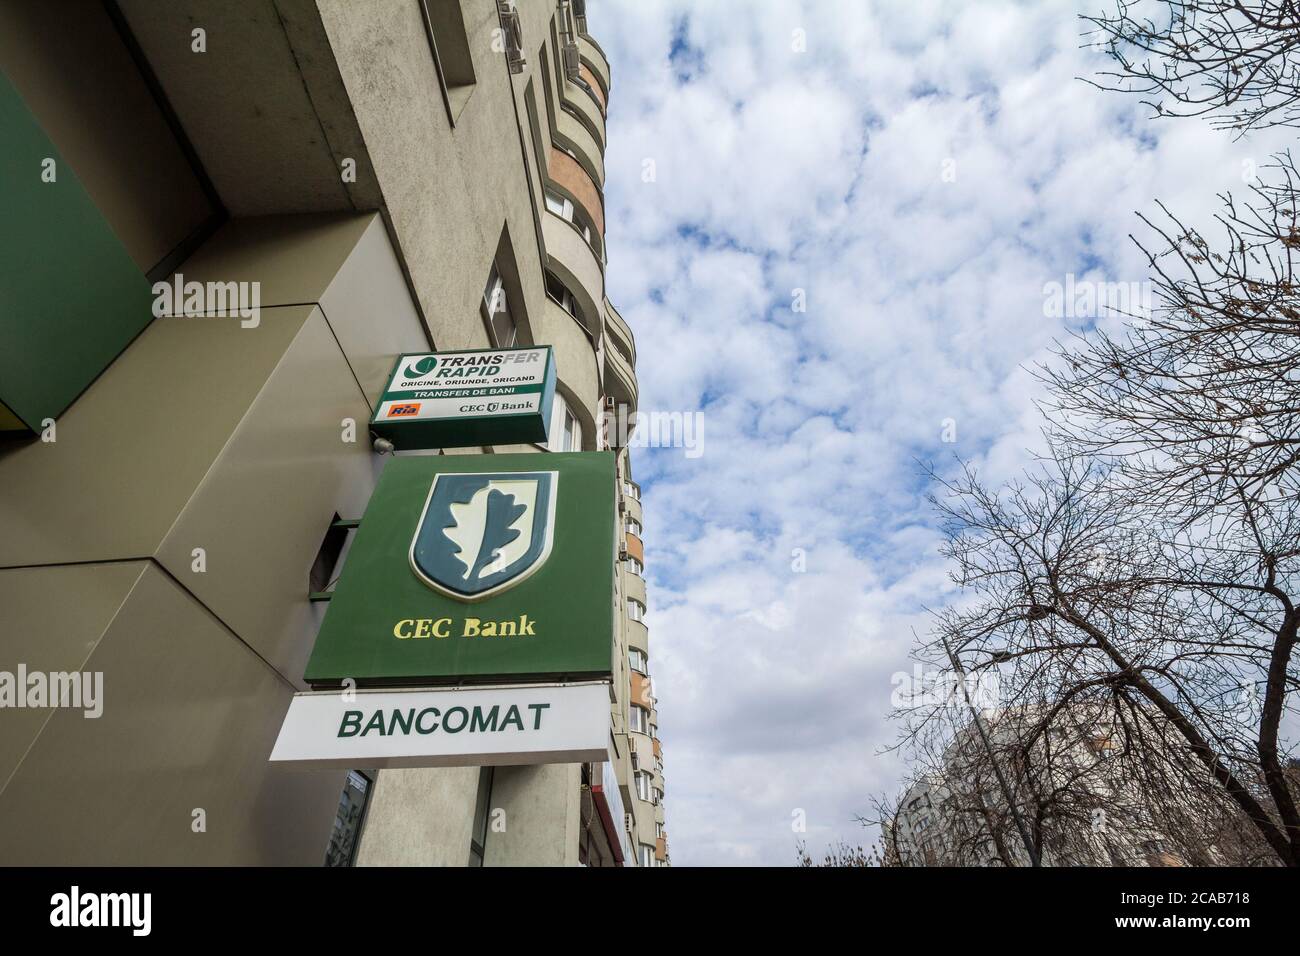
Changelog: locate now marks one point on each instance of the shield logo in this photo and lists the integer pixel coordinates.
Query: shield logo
(484, 532)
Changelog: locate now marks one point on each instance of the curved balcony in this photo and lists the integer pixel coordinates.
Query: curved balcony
(618, 327)
(635, 548)
(572, 134)
(580, 101)
(596, 89)
(567, 173)
(575, 359)
(620, 380)
(633, 508)
(590, 51)
(639, 690)
(636, 588)
(575, 262)
(638, 635)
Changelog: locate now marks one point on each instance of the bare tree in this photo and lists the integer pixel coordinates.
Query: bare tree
(1203, 392)
(1232, 60)
(1090, 591)
(1096, 782)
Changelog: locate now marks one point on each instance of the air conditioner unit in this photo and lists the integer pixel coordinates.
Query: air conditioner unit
(513, 31)
(569, 51)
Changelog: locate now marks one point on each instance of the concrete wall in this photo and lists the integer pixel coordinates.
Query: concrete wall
(212, 439)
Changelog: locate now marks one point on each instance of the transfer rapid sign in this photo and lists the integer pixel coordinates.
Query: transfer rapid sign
(477, 568)
(462, 399)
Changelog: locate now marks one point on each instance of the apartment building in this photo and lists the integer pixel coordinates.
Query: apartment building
(224, 225)
(1085, 799)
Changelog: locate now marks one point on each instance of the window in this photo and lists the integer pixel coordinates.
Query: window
(637, 660)
(658, 796)
(565, 209)
(482, 811)
(497, 309)
(643, 785)
(659, 830)
(640, 720)
(632, 491)
(328, 558)
(558, 291)
(633, 565)
(572, 431)
(451, 53)
(635, 611)
(566, 431)
(632, 526)
(559, 205)
(645, 854)
(342, 849)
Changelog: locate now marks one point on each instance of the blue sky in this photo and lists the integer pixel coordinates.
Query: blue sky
(920, 171)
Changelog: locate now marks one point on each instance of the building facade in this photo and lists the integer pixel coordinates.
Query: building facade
(1086, 795)
(225, 224)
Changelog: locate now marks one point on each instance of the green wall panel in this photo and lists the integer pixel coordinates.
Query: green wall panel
(71, 298)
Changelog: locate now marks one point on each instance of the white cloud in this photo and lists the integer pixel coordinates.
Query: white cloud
(824, 171)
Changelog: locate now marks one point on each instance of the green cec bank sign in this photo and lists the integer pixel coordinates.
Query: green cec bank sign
(460, 399)
(479, 568)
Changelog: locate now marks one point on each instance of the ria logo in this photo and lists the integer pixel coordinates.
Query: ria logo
(482, 533)
(420, 367)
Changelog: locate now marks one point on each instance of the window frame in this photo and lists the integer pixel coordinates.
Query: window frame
(639, 725)
(360, 821)
(496, 290)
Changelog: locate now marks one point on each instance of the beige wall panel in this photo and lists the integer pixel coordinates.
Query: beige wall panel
(79, 80)
(50, 620)
(295, 258)
(265, 505)
(132, 450)
(343, 262)
(541, 805)
(368, 304)
(190, 716)
(420, 818)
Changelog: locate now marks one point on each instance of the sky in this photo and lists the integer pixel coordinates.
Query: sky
(830, 227)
